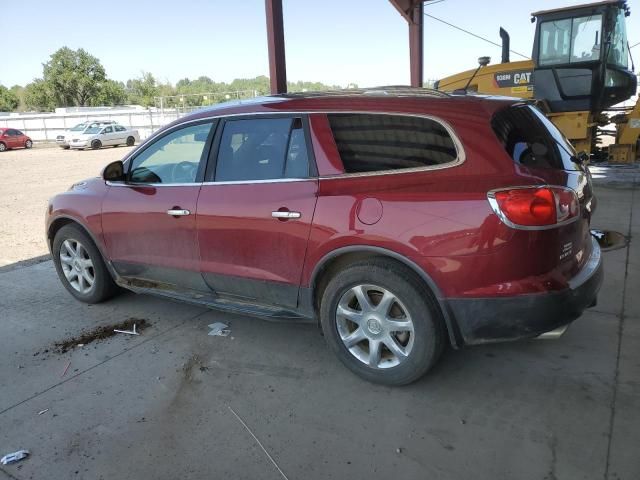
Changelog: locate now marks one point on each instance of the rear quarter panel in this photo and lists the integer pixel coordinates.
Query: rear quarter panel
(439, 219)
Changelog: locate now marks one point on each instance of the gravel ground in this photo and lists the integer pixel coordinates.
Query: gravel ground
(28, 178)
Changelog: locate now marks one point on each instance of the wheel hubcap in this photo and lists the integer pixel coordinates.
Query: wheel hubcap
(77, 266)
(375, 326)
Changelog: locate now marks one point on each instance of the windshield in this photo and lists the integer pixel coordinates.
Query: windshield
(618, 47)
(79, 127)
(93, 130)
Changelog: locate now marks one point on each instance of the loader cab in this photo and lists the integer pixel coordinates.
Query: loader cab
(581, 57)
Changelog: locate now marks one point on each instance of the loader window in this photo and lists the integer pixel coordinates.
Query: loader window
(571, 40)
(618, 54)
(372, 143)
(532, 140)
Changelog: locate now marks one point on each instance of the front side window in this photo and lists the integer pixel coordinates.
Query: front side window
(107, 130)
(571, 40)
(371, 143)
(262, 149)
(120, 128)
(173, 158)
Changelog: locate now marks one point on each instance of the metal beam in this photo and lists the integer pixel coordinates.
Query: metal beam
(416, 45)
(275, 41)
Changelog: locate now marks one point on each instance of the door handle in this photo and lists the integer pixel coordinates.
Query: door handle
(178, 212)
(285, 214)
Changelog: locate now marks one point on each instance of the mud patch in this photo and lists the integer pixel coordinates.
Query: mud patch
(99, 333)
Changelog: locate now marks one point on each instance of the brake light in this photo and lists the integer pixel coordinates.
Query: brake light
(535, 208)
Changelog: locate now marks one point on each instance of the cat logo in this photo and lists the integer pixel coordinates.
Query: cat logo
(518, 78)
(523, 78)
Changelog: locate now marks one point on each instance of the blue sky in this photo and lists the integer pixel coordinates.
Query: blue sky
(333, 41)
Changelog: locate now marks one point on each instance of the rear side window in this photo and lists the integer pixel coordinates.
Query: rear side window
(262, 149)
(377, 142)
(532, 140)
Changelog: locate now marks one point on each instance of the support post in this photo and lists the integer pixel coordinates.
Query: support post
(416, 45)
(275, 41)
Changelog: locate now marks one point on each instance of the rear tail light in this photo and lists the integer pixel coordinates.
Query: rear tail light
(535, 208)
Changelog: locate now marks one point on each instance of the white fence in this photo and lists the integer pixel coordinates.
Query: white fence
(46, 126)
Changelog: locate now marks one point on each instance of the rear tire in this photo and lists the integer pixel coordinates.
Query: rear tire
(130, 141)
(28, 144)
(96, 144)
(80, 266)
(397, 336)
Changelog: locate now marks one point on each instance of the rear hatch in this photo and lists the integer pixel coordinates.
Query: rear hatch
(544, 156)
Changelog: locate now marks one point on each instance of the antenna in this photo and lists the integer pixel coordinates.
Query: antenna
(482, 62)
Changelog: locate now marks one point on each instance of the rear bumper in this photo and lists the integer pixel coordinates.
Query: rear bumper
(483, 320)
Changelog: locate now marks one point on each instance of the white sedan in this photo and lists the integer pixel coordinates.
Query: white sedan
(105, 135)
(63, 140)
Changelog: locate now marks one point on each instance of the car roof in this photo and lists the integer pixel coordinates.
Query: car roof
(387, 99)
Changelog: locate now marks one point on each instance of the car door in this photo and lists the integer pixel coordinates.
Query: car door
(107, 136)
(256, 207)
(149, 220)
(119, 135)
(19, 138)
(13, 138)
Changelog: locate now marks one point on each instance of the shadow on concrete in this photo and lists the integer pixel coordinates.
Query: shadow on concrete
(25, 263)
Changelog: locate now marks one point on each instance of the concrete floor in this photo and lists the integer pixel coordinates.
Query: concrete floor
(160, 405)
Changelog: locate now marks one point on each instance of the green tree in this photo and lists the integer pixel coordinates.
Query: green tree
(18, 91)
(37, 96)
(142, 90)
(74, 77)
(110, 93)
(8, 100)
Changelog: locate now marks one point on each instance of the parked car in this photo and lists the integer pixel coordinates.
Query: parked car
(63, 140)
(399, 219)
(98, 136)
(12, 138)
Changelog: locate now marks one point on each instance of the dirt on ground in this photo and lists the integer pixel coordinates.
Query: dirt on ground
(99, 333)
(28, 178)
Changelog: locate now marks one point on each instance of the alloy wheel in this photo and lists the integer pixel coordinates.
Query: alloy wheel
(375, 326)
(77, 266)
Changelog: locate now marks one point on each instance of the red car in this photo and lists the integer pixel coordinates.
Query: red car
(12, 138)
(401, 220)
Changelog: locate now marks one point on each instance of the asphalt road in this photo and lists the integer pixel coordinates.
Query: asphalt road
(177, 403)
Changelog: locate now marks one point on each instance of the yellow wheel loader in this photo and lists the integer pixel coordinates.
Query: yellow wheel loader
(579, 69)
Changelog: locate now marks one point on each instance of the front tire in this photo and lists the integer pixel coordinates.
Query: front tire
(80, 266)
(382, 322)
(96, 144)
(28, 144)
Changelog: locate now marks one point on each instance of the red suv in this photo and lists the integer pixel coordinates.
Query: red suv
(399, 219)
(12, 138)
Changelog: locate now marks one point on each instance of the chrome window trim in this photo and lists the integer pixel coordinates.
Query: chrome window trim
(231, 182)
(460, 152)
(491, 197)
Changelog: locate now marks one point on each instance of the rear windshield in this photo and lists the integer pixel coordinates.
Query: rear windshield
(532, 140)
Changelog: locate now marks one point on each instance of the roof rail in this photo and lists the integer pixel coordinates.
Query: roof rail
(388, 90)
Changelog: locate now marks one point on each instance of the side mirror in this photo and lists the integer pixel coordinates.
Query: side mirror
(114, 172)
